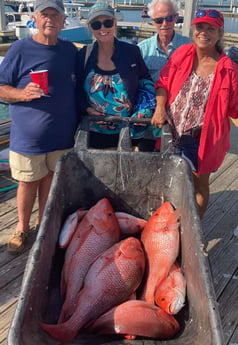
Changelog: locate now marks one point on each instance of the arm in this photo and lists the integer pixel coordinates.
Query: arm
(160, 115)
(84, 106)
(233, 106)
(12, 89)
(144, 72)
(11, 94)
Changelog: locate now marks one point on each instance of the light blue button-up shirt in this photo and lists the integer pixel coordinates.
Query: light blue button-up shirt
(154, 57)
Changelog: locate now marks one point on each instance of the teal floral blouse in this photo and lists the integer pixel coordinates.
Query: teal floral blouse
(106, 93)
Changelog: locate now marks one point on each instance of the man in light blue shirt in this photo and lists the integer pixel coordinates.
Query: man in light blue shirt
(157, 49)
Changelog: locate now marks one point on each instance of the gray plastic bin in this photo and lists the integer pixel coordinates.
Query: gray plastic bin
(137, 183)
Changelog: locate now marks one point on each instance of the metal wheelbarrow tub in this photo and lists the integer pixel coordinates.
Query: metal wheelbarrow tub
(136, 183)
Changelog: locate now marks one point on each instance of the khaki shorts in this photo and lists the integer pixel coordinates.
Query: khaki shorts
(29, 168)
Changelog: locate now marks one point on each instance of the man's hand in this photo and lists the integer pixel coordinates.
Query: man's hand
(31, 91)
(11, 94)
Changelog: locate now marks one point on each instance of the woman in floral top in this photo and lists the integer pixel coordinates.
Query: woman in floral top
(111, 80)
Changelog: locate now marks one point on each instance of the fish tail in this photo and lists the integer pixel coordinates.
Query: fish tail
(61, 332)
(66, 311)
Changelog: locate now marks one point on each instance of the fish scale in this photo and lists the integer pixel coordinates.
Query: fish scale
(93, 238)
(110, 280)
(160, 238)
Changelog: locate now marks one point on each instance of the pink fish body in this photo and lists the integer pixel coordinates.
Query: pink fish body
(170, 293)
(130, 225)
(160, 238)
(69, 227)
(110, 280)
(98, 231)
(136, 318)
(81, 228)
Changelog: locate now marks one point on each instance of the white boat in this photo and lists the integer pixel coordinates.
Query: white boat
(74, 30)
(119, 14)
(84, 10)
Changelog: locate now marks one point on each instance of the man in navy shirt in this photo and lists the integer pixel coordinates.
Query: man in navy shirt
(42, 126)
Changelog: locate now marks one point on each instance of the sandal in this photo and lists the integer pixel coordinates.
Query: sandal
(16, 242)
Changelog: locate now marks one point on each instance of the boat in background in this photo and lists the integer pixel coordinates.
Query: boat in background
(74, 30)
(84, 10)
(118, 14)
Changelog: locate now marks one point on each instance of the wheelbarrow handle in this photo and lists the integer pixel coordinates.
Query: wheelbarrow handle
(124, 140)
(115, 119)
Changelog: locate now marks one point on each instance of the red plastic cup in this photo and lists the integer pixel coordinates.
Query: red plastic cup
(41, 78)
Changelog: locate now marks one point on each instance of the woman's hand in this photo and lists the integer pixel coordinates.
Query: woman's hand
(160, 117)
(93, 111)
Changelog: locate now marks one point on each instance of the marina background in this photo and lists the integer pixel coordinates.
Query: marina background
(133, 15)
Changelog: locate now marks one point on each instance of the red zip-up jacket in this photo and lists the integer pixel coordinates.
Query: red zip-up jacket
(222, 103)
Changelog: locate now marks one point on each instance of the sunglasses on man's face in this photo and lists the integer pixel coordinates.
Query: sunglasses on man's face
(108, 23)
(160, 20)
(209, 13)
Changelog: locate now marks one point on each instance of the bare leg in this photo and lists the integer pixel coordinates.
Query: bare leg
(201, 183)
(43, 191)
(26, 195)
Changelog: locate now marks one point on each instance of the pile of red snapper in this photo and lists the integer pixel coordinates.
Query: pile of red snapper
(115, 283)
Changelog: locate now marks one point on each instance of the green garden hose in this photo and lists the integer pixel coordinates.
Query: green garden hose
(5, 189)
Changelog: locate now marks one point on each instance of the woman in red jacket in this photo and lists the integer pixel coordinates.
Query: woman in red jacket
(196, 93)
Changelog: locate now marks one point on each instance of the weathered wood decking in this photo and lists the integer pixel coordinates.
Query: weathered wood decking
(219, 224)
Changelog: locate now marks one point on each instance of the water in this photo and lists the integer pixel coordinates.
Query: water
(230, 24)
(4, 115)
(218, 3)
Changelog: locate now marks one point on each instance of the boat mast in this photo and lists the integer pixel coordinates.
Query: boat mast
(232, 4)
(190, 8)
(2, 16)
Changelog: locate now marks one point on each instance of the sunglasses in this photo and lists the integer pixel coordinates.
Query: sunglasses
(209, 13)
(160, 20)
(108, 23)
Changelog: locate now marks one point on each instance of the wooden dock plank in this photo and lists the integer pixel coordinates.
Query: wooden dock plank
(5, 321)
(229, 304)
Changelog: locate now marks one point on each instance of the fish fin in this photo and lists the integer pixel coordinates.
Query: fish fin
(178, 303)
(60, 332)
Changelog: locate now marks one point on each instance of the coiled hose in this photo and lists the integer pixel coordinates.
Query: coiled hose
(5, 189)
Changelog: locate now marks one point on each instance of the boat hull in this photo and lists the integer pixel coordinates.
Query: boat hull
(76, 34)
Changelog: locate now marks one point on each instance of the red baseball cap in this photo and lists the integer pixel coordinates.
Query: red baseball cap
(212, 17)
